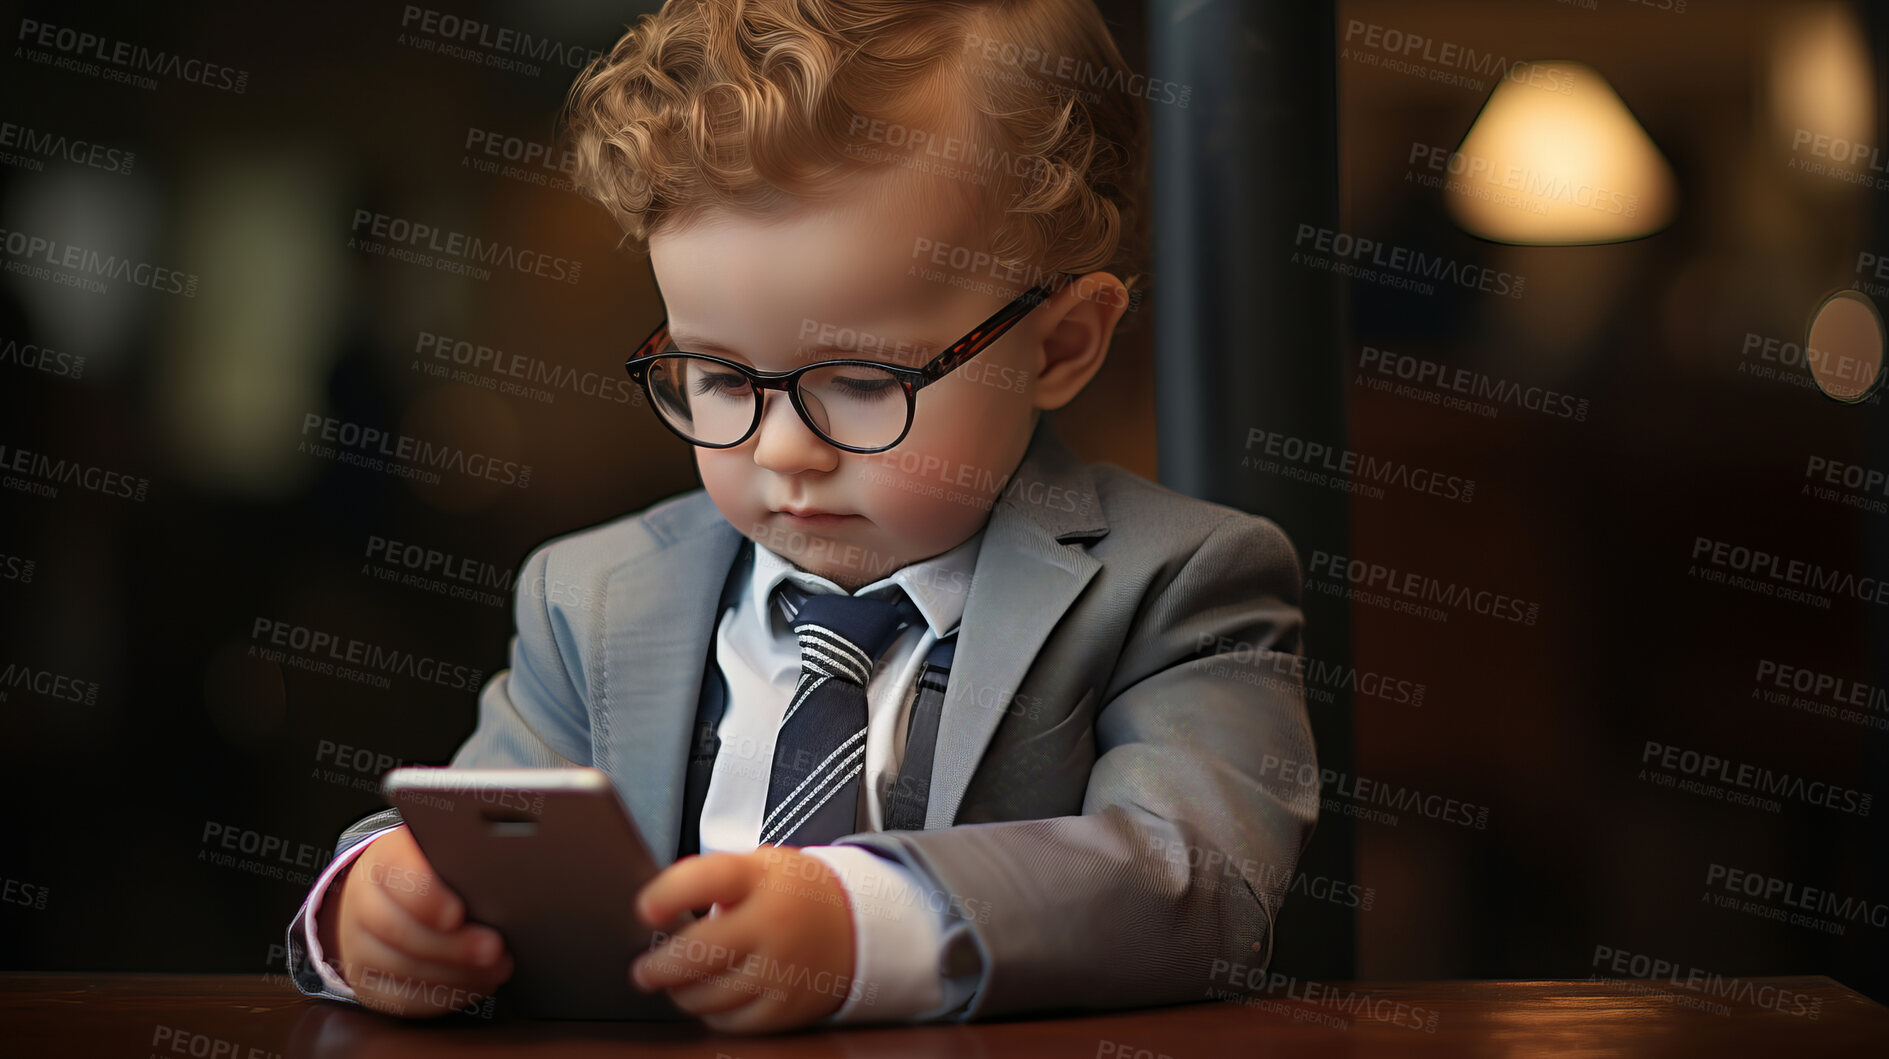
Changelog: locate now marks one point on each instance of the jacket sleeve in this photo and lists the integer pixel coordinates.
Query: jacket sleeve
(1174, 871)
(531, 715)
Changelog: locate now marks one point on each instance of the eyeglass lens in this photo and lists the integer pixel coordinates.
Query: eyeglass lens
(851, 404)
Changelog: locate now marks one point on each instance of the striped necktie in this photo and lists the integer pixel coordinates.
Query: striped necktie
(820, 750)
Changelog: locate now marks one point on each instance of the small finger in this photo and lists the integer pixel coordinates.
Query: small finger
(719, 994)
(384, 969)
(472, 944)
(703, 949)
(395, 866)
(765, 1015)
(694, 882)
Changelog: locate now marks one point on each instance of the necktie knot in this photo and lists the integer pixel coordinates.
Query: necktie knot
(842, 636)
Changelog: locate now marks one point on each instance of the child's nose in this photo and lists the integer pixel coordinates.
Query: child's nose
(784, 441)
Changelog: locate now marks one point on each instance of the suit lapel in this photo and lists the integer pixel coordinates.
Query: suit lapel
(1027, 575)
(659, 616)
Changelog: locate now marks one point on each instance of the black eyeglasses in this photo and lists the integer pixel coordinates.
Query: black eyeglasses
(856, 405)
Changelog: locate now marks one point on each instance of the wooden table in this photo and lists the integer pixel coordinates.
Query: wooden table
(262, 1017)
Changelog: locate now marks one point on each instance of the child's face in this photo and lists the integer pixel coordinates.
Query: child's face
(777, 292)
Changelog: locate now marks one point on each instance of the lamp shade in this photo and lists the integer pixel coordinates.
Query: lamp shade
(1555, 158)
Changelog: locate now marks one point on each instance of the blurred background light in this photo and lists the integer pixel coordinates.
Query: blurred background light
(106, 215)
(1843, 348)
(1556, 158)
(235, 376)
(1822, 94)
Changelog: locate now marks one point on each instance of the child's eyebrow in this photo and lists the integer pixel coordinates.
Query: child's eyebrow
(699, 345)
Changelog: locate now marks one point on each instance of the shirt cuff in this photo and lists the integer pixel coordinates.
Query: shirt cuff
(311, 936)
(897, 939)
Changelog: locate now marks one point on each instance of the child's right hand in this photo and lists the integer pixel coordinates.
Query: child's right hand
(400, 937)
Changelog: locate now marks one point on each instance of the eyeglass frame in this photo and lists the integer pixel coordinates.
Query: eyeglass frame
(911, 380)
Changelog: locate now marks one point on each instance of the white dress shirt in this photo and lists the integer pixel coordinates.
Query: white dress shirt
(897, 929)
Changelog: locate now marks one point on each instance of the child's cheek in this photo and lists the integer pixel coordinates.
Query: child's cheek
(731, 485)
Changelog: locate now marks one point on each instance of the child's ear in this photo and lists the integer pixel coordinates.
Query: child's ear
(1080, 320)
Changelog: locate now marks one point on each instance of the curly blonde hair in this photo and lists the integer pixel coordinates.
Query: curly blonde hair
(756, 105)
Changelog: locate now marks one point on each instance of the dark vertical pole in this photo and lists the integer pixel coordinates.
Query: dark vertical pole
(1244, 338)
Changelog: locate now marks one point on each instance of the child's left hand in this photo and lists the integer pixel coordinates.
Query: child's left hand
(777, 955)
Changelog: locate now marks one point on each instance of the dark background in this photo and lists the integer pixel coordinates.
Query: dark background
(148, 606)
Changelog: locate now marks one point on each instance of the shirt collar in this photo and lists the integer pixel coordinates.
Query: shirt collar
(938, 586)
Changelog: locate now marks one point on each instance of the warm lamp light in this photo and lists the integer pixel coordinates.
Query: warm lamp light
(1556, 158)
(1823, 95)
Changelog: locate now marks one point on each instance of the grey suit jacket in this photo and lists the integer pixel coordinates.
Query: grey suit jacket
(1101, 828)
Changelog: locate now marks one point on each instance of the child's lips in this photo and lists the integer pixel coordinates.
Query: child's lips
(813, 516)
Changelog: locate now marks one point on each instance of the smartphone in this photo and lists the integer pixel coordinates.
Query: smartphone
(551, 859)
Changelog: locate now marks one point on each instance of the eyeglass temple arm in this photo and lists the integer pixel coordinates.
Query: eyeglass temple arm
(990, 330)
(652, 343)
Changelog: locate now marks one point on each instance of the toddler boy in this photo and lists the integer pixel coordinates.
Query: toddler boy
(942, 722)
